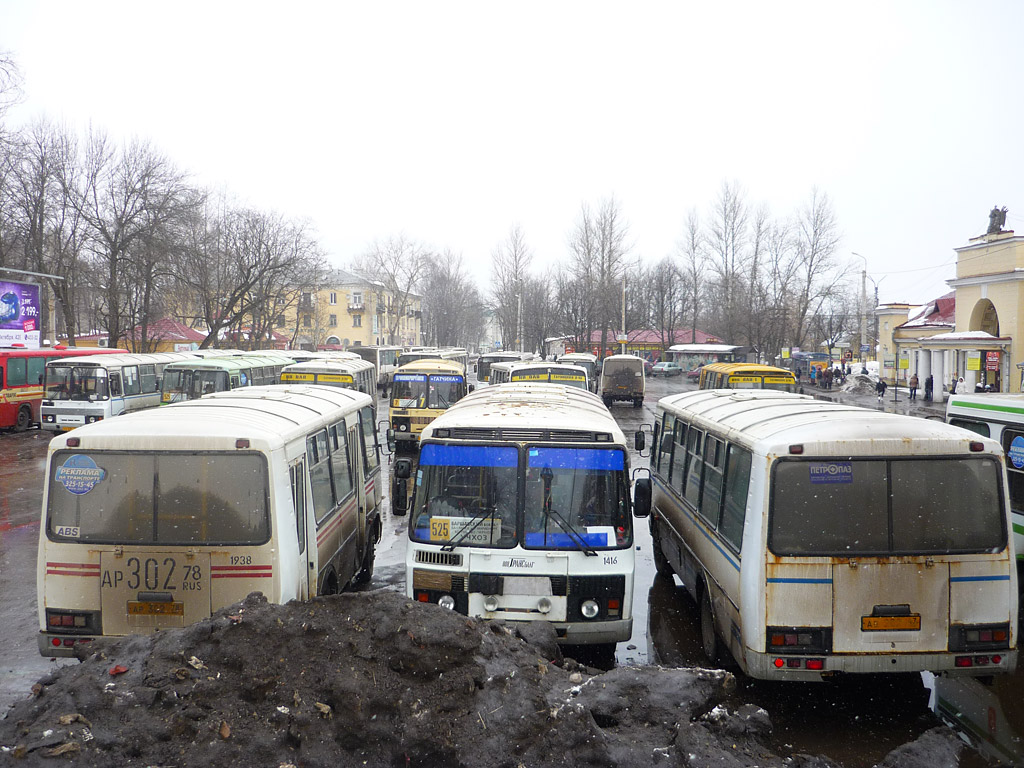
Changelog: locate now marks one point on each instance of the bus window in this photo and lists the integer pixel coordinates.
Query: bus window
(467, 494)
(115, 383)
(340, 469)
(691, 481)
(202, 498)
(978, 427)
(298, 483)
(371, 457)
(445, 390)
(147, 374)
(17, 372)
(132, 384)
(36, 370)
(714, 476)
(737, 481)
(320, 474)
(409, 390)
(677, 469)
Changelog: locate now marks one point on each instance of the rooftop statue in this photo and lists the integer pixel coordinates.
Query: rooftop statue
(996, 220)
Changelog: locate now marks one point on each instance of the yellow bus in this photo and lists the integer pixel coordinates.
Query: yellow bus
(420, 392)
(746, 376)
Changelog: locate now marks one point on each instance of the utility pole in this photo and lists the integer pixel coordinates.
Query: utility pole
(624, 335)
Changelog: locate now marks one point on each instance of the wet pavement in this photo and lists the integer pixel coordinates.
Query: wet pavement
(855, 722)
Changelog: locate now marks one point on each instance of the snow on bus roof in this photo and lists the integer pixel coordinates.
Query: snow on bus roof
(777, 419)
(529, 405)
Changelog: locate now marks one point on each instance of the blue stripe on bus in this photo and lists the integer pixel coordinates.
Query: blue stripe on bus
(798, 581)
(1003, 577)
(578, 458)
(436, 454)
(707, 535)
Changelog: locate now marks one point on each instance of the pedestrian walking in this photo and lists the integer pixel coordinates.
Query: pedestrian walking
(880, 389)
(913, 387)
(929, 387)
(961, 386)
(827, 376)
(813, 374)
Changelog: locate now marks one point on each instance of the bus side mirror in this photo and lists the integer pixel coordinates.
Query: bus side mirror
(390, 437)
(403, 469)
(400, 487)
(639, 441)
(642, 497)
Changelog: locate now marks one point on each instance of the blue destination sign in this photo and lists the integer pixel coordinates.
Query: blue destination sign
(410, 377)
(449, 378)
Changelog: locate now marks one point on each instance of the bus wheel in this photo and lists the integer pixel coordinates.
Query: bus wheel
(24, 419)
(638, 403)
(366, 568)
(330, 584)
(708, 637)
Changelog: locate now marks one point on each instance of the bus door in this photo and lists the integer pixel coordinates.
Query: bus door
(115, 390)
(358, 472)
(305, 530)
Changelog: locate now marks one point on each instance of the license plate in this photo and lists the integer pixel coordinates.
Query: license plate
(910, 623)
(137, 608)
(526, 585)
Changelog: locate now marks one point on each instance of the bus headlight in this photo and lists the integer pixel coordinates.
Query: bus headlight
(544, 605)
(490, 603)
(447, 601)
(589, 609)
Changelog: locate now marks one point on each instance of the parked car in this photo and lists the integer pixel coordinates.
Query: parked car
(666, 368)
(694, 375)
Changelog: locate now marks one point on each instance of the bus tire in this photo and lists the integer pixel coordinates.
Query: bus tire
(638, 403)
(366, 567)
(24, 420)
(708, 635)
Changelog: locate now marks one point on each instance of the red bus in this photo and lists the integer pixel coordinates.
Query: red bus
(21, 381)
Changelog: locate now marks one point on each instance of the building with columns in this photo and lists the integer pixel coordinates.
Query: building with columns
(967, 333)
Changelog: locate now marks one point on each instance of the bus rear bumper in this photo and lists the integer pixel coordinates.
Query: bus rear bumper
(967, 664)
(56, 645)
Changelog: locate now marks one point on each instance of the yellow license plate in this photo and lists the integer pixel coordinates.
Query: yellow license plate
(136, 608)
(890, 623)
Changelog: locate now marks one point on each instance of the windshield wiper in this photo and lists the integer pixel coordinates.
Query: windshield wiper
(478, 518)
(550, 513)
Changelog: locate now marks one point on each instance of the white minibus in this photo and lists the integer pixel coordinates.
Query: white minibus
(161, 517)
(586, 360)
(521, 511)
(554, 373)
(355, 373)
(820, 538)
(83, 390)
(385, 359)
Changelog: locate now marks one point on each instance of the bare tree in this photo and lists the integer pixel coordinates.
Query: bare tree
(726, 243)
(452, 306)
(693, 267)
(510, 262)
(598, 247)
(816, 234)
(398, 265)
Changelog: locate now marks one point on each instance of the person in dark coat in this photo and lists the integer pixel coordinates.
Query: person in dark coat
(929, 387)
(880, 389)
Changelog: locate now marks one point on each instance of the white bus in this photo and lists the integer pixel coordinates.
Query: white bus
(159, 518)
(521, 511)
(191, 379)
(455, 355)
(820, 538)
(554, 373)
(83, 390)
(355, 373)
(1001, 417)
(586, 360)
(486, 360)
(384, 358)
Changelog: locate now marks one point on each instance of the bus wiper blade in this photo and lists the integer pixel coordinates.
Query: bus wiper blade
(479, 517)
(572, 533)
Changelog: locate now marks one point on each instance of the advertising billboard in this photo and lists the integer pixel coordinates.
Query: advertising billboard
(20, 313)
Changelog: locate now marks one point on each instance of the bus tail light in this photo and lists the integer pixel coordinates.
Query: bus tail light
(799, 640)
(979, 637)
(976, 446)
(73, 622)
(794, 662)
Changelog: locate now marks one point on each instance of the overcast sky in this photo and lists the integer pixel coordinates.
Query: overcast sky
(452, 122)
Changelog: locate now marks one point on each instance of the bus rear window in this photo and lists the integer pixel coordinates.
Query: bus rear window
(158, 498)
(842, 508)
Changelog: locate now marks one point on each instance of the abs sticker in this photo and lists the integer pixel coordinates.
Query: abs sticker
(832, 472)
(1016, 452)
(79, 474)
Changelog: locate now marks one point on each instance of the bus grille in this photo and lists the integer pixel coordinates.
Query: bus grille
(538, 435)
(439, 558)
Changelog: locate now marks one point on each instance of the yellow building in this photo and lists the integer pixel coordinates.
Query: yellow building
(970, 336)
(349, 309)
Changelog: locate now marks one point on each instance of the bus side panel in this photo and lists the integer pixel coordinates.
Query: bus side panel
(978, 592)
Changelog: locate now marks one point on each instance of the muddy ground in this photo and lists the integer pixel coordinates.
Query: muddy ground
(374, 679)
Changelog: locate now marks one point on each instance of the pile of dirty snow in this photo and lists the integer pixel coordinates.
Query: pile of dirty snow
(375, 679)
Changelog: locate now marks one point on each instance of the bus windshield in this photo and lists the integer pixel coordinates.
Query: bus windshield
(187, 384)
(409, 390)
(886, 507)
(158, 498)
(67, 382)
(445, 389)
(575, 498)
